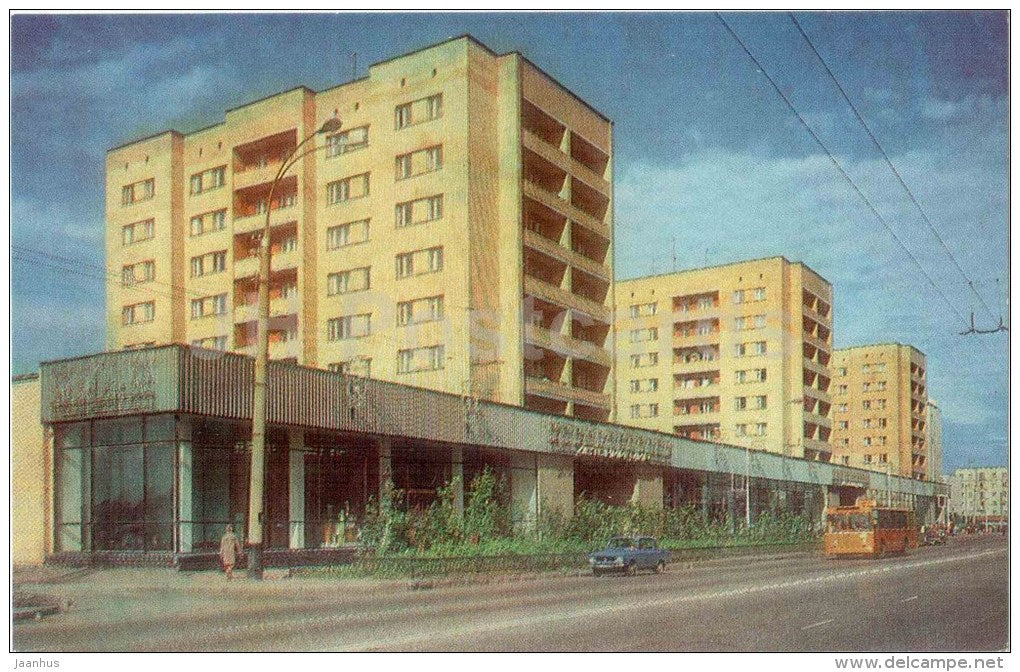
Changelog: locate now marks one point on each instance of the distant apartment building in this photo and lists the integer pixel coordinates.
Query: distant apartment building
(737, 353)
(933, 441)
(976, 493)
(879, 409)
(455, 234)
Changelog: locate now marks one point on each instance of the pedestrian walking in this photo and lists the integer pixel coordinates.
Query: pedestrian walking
(230, 550)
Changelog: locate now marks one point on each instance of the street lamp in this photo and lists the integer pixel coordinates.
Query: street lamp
(256, 482)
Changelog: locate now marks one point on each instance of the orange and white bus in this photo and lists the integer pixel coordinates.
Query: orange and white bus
(869, 530)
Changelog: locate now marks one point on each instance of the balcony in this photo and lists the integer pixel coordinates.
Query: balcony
(817, 342)
(817, 368)
(256, 175)
(698, 365)
(562, 297)
(553, 201)
(246, 267)
(547, 388)
(566, 345)
(256, 222)
(557, 251)
(570, 165)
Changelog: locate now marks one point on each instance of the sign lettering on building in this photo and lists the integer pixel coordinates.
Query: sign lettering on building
(97, 387)
(843, 476)
(576, 439)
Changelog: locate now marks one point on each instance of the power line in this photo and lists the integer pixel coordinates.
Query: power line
(878, 145)
(838, 166)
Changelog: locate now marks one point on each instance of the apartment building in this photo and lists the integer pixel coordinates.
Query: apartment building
(879, 409)
(456, 233)
(933, 442)
(977, 493)
(737, 353)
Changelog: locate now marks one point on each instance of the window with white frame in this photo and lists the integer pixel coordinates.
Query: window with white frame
(644, 335)
(758, 294)
(207, 180)
(419, 211)
(740, 403)
(643, 309)
(738, 296)
(138, 313)
(349, 326)
(347, 141)
(644, 359)
(428, 358)
(209, 306)
(211, 343)
(349, 233)
(751, 376)
(760, 402)
(143, 271)
(136, 232)
(138, 191)
(419, 262)
(419, 162)
(348, 281)
(358, 366)
(418, 311)
(347, 189)
(208, 222)
(207, 264)
(418, 111)
(644, 411)
(644, 385)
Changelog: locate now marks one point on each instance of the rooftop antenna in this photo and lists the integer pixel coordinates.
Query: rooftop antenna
(354, 65)
(674, 253)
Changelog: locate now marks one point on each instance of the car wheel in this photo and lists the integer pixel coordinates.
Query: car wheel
(631, 569)
(660, 567)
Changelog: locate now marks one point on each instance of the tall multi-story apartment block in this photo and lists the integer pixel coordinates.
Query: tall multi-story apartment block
(933, 442)
(979, 492)
(879, 414)
(455, 234)
(737, 353)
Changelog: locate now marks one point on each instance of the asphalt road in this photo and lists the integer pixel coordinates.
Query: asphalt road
(948, 598)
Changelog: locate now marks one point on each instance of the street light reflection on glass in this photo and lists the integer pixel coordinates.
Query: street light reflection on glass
(256, 481)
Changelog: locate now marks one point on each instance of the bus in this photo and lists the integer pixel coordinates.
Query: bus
(869, 530)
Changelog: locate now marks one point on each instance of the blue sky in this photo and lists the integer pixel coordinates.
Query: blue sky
(706, 152)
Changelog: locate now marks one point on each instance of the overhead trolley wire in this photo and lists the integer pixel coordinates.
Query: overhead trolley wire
(838, 166)
(892, 167)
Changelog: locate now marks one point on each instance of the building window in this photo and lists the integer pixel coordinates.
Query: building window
(347, 189)
(214, 178)
(740, 403)
(207, 264)
(138, 313)
(346, 282)
(867, 458)
(738, 296)
(211, 343)
(359, 366)
(843, 424)
(758, 294)
(429, 358)
(349, 326)
(418, 111)
(866, 387)
(419, 162)
(882, 422)
(841, 371)
(209, 306)
(429, 309)
(841, 389)
(751, 376)
(144, 271)
(644, 335)
(761, 428)
(208, 222)
(644, 411)
(136, 232)
(643, 309)
(760, 402)
(842, 408)
(419, 262)
(645, 359)
(644, 385)
(350, 233)
(880, 386)
(138, 191)
(347, 141)
(419, 211)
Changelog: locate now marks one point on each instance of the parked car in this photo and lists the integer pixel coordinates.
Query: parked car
(934, 535)
(627, 555)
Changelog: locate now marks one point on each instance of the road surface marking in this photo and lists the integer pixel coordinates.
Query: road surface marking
(908, 599)
(815, 625)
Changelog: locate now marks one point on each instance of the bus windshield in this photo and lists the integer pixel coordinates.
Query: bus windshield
(849, 522)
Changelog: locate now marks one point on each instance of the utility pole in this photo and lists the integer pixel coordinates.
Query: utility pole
(256, 479)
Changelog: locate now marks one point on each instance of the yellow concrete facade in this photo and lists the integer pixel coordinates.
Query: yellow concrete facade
(31, 475)
(456, 234)
(879, 409)
(737, 353)
(976, 492)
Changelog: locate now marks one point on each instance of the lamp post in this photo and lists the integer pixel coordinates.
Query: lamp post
(256, 481)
